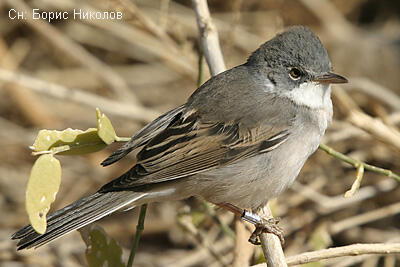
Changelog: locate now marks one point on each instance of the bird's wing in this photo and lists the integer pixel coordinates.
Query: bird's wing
(143, 136)
(189, 146)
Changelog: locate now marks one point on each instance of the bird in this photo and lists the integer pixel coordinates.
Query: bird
(240, 139)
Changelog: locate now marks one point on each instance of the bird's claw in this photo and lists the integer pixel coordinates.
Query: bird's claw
(267, 226)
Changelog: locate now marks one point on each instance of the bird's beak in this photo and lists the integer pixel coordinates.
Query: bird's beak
(329, 77)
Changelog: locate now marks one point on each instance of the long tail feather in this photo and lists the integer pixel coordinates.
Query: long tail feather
(75, 216)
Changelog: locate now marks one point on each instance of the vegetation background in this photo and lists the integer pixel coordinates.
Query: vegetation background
(145, 65)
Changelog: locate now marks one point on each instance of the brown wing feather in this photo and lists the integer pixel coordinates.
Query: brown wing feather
(144, 135)
(188, 146)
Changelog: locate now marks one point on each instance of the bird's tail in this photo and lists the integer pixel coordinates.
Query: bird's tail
(75, 216)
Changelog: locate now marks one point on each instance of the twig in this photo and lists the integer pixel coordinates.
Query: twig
(25, 100)
(351, 261)
(376, 90)
(364, 218)
(149, 24)
(357, 181)
(200, 73)
(327, 12)
(328, 204)
(271, 245)
(225, 228)
(357, 163)
(375, 127)
(139, 230)
(187, 224)
(199, 257)
(76, 51)
(145, 41)
(209, 37)
(212, 52)
(351, 250)
(243, 249)
(67, 94)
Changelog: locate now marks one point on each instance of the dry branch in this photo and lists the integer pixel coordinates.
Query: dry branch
(187, 224)
(350, 250)
(376, 90)
(75, 95)
(208, 37)
(364, 218)
(243, 250)
(25, 100)
(77, 52)
(271, 245)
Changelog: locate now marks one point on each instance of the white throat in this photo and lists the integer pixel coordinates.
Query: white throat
(311, 94)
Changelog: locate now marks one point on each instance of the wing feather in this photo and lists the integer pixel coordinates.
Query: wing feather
(189, 146)
(144, 135)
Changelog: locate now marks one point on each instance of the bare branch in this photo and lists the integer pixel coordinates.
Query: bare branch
(271, 245)
(209, 37)
(77, 52)
(67, 94)
(243, 250)
(351, 250)
(376, 90)
(364, 218)
(187, 224)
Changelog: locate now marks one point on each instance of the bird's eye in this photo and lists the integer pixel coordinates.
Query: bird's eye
(295, 73)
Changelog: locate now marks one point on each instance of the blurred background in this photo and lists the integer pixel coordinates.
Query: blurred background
(139, 67)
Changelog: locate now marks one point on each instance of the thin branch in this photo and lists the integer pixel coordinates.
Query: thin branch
(376, 90)
(376, 128)
(351, 250)
(209, 37)
(271, 245)
(357, 163)
(327, 12)
(373, 126)
(139, 230)
(225, 228)
(243, 250)
(149, 43)
(212, 52)
(187, 224)
(76, 51)
(149, 25)
(25, 100)
(364, 218)
(200, 256)
(68, 94)
(357, 181)
(329, 204)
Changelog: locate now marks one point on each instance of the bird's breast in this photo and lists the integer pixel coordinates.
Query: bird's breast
(252, 182)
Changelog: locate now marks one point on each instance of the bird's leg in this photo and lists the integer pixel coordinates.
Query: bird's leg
(262, 225)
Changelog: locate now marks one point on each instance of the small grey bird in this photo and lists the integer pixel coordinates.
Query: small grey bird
(240, 140)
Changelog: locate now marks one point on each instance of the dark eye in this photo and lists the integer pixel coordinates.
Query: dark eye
(295, 73)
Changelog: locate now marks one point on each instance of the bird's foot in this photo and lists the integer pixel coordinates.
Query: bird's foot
(262, 225)
(269, 225)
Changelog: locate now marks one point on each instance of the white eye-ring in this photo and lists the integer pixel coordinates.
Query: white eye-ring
(295, 73)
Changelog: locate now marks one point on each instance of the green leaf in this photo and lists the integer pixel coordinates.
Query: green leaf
(103, 250)
(105, 129)
(43, 185)
(68, 142)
